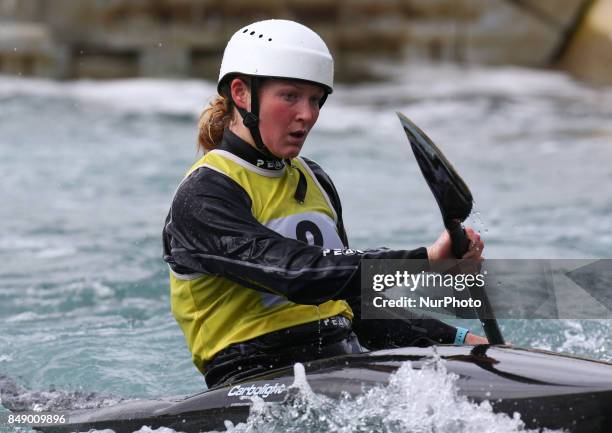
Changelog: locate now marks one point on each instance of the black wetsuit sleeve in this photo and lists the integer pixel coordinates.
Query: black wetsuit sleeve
(211, 230)
(391, 332)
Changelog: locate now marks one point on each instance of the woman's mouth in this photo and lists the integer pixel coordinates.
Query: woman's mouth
(298, 134)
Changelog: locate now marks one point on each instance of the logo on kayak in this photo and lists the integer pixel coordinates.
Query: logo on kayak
(261, 391)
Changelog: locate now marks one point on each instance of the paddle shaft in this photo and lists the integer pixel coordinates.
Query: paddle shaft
(485, 314)
(455, 201)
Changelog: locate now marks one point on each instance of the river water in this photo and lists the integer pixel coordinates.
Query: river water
(89, 169)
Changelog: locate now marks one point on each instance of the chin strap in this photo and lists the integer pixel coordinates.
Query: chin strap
(251, 119)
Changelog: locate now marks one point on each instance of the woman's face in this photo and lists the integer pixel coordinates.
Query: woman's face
(288, 111)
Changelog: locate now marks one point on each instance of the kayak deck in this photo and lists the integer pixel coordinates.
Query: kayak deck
(547, 389)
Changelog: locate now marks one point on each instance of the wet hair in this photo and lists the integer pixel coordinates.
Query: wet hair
(213, 120)
(217, 116)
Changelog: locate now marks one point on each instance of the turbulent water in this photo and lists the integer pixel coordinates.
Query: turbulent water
(89, 169)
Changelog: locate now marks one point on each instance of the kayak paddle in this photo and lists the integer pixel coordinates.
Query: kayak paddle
(455, 201)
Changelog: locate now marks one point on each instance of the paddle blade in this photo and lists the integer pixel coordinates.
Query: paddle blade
(452, 194)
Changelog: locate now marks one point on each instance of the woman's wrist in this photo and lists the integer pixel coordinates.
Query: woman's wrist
(461, 335)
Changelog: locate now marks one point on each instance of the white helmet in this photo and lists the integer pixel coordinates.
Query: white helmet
(278, 48)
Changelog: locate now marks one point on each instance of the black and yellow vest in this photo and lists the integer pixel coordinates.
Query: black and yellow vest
(215, 312)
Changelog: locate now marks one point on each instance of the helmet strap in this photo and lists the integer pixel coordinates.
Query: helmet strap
(323, 99)
(251, 119)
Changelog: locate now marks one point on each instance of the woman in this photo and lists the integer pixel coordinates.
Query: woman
(261, 272)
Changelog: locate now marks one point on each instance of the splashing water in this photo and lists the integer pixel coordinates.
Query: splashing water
(17, 398)
(422, 400)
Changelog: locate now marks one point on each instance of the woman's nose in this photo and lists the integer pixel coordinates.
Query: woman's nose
(307, 112)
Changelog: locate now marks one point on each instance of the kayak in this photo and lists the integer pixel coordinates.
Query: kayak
(548, 390)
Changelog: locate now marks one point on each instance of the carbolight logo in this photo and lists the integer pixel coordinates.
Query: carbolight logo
(261, 391)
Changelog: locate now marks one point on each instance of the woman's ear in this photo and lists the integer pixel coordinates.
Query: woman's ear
(241, 93)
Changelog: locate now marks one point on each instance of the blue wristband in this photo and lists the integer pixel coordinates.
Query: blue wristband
(460, 336)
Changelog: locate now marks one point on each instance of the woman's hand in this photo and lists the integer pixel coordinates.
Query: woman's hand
(441, 249)
(472, 340)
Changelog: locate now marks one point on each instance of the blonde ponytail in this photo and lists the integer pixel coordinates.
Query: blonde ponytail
(213, 120)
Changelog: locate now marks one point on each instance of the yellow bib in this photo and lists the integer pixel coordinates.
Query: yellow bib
(215, 312)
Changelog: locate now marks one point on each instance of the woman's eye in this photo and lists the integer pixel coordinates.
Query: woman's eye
(290, 96)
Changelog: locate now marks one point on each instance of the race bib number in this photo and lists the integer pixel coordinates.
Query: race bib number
(313, 228)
